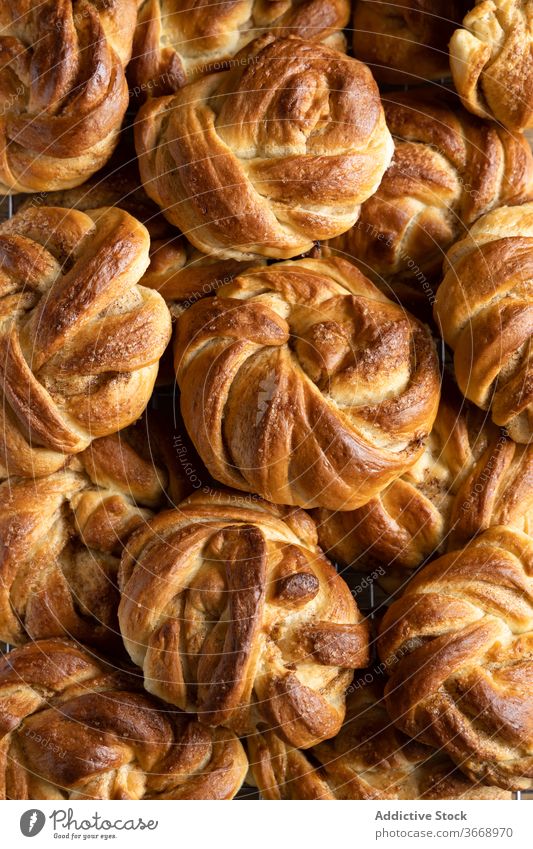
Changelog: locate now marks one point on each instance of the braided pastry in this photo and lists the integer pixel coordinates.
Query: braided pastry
(234, 613)
(61, 535)
(406, 41)
(179, 41)
(484, 308)
(244, 168)
(460, 641)
(302, 382)
(368, 759)
(73, 728)
(492, 61)
(79, 339)
(469, 478)
(448, 169)
(180, 273)
(63, 91)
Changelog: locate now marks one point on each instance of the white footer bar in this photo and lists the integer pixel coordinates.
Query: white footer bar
(259, 825)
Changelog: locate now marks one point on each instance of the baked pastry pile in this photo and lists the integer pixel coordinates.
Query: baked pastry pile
(266, 341)
(57, 698)
(368, 759)
(449, 168)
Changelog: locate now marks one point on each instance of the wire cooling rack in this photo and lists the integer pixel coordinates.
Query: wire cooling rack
(371, 600)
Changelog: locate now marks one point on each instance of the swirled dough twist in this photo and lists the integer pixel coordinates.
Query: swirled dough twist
(368, 759)
(233, 612)
(73, 727)
(459, 644)
(470, 477)
(484, 308)
(302, 382)
(61, 536)
(449, 168)
(180, 273)
(179, 40)
(269, 156)
(492, 61)
(80, 341)
(63, 90)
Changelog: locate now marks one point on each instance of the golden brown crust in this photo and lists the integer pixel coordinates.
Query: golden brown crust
(470, 477)
(302, 382)
(63, 91)
(368, 759)
(79, 340)
(244, 169)
(61, 536)
(406, 41)
(448, 169)
(73, 728)
(484, 309)
(492, 61)
(179, 41)
(460, 645)
(180, 273)
(206, 594)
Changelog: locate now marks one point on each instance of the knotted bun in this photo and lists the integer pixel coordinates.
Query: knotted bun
(459, 643)
(484, 308)
(246, 167)
(470, 476)
(407, 41)
(71, 727)
(368, 759)
(491, 61)
(448, 169)
(304, 383)
(79, 339)
(179, 41)
(61, 536)
(234, 613)
(63, 91)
